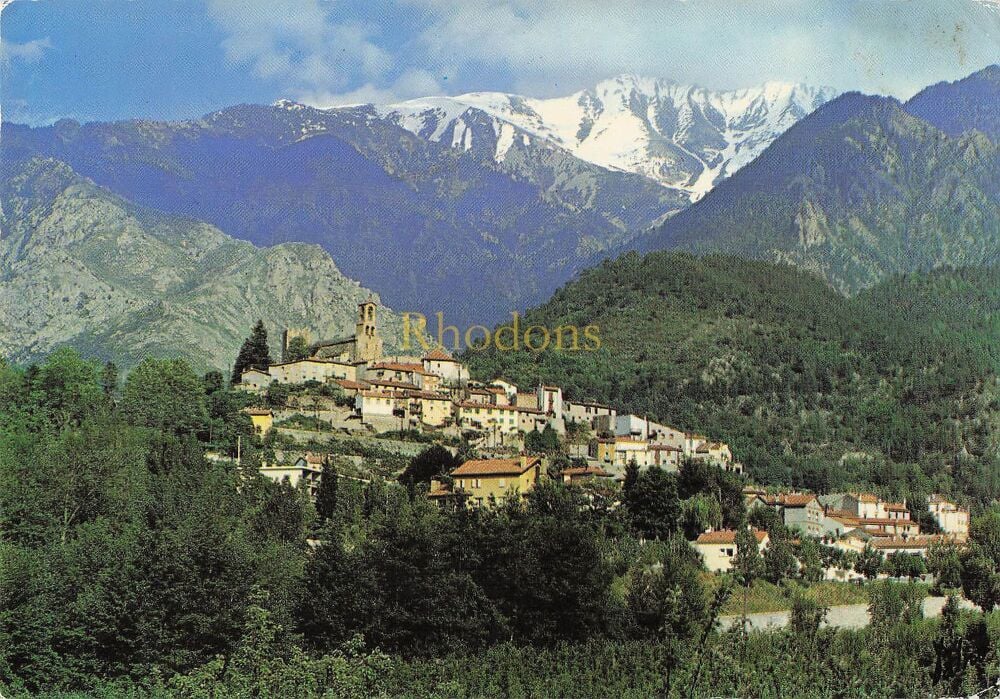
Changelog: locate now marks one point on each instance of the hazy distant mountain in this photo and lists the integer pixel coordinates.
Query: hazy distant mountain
(428, 226)
(861, 189)
(80, 265)
(685, 137)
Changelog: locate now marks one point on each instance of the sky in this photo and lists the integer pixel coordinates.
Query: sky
(172, 59)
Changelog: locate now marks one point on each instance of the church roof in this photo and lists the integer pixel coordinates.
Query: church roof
(340, 341)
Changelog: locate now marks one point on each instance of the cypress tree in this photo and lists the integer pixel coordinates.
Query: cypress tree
(254, 353)
(326, 494)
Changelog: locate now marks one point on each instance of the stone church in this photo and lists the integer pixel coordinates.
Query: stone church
(364, 345)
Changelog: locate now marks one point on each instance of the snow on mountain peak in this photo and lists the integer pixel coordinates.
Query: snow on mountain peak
(683, 136)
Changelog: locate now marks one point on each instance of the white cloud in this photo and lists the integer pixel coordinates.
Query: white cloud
(327, 53)
(297, 43)
(29, 51)
(885, 46)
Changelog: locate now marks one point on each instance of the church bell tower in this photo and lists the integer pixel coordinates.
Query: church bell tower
(367, 343)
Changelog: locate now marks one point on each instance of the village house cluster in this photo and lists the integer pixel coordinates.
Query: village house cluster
(435, 393)
(846, 521)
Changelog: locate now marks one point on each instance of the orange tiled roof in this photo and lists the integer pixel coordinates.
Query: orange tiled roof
(896, 507)
(496, 467)
(789, 499)
(727, 536)
(913, 542)
(380, 394)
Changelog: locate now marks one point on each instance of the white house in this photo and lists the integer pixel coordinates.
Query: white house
(255, 380)
(952, 519)
(718, 548)
(442, 364)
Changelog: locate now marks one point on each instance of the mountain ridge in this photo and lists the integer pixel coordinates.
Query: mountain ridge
(122, 282)
(858, 190)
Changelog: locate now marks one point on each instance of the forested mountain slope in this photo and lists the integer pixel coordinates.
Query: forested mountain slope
(862, 189)
(895, 387)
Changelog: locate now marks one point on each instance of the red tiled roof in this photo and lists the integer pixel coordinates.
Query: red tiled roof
(354, 385)
(727, 536)
(439, 355)
(896, 507)
(399, 366)
(496, 467)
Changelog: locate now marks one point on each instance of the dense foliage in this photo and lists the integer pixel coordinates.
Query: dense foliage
(131, 564)
(894, 389)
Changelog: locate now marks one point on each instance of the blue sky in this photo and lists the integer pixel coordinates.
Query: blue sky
(168, 59)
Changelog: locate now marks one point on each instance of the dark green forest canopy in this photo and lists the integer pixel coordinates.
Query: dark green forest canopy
(895, 388)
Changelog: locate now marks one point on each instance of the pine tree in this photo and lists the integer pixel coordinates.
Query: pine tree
(254, 354)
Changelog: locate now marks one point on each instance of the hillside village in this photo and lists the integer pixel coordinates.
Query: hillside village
(518, 436)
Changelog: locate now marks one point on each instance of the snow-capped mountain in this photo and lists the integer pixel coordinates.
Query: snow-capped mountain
(682, 136)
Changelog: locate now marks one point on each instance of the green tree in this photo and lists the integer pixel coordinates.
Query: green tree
(806, 617)
(981, 561)
(297, 349)
(255, 353)
(167, 395)
(748, 565)
(779, 560)
(869, 562)
(213, 382)
(653, 505)
(810, 560)
(109, 379)
(431, 463)
(700, 513)
(326, 494)
(65, 389)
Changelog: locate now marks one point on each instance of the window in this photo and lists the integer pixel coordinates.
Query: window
(503, 483)
(729, 552)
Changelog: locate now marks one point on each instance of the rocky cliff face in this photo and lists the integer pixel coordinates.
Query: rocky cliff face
(80, 265)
